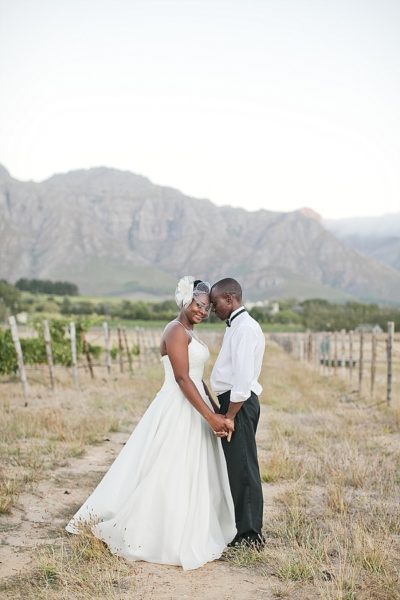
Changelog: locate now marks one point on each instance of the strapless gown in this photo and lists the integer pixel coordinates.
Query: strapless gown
(166, 498)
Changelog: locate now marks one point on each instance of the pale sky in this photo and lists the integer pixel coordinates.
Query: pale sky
(273, 104)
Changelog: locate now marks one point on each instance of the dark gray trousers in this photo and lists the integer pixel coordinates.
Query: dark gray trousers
(242, 463)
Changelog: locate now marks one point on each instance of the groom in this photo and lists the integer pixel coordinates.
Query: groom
(234, 379)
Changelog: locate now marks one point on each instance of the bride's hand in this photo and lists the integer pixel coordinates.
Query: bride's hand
(230, 428)
(217, 423)
(221, 434)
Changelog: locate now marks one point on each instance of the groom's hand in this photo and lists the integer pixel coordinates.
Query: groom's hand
(217, 423)
(230, 426)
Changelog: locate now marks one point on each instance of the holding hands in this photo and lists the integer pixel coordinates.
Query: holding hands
(222, 426)
(230, 423)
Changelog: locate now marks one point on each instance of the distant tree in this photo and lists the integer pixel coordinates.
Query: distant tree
(45, 286)
(258, 314)
(66, 306)
(77, 308)
(286, 317)
(323, 315)
(3, 310)
(142, 311)
(9, 295)
(165, 306)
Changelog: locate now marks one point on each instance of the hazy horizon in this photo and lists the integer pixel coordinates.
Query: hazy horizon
(263, 104)
(197, 197)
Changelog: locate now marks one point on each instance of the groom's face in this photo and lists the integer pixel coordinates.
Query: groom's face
(221, 304)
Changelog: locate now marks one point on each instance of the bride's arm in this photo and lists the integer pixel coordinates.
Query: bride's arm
(176, 343)
(211, 399)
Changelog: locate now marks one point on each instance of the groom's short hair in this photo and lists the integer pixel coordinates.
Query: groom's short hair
(228, 286)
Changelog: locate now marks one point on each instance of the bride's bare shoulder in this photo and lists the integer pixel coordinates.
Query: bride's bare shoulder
(175, 329)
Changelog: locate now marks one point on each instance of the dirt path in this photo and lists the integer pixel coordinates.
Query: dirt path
(41, 515)
(324, 457)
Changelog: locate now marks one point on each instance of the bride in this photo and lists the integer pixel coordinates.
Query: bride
(166, 498)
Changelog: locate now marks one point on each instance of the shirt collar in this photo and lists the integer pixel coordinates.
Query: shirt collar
(233, 313)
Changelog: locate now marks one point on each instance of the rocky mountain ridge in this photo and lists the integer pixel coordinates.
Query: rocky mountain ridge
(377, 237)
(114, 232)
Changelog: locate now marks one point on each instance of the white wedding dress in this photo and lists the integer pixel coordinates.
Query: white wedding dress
(166, 498)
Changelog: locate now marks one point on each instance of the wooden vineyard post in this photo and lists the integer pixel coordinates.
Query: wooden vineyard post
(141, 347)
(325, 354)
(49, 352)
(390, 338)
(361, 362)
(335, 353)
(297, 345)
(351, 356)
(137, 345)
(309, 347)
(20, 358)
(127, 349)
(72, 335)
(373, 362)
(86, 351)
(317, 356)
(329, 352)
(120, 351)
(151, 345)
(107, 346)
(144, 346)
(343, 352)
(155, 344)
(301, 353)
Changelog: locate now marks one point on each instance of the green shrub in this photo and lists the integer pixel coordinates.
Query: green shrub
(34, 349)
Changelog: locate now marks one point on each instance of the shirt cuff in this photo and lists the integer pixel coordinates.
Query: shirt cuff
(239, 396)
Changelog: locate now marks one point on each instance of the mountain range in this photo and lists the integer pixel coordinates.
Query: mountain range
(114, 232)
(377, 237)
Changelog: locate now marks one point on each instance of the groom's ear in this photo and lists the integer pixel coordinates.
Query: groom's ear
(228, 298)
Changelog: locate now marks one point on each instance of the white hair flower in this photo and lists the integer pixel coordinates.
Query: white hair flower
(184, 291)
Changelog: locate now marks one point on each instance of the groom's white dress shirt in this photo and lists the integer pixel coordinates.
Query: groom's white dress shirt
(239, 362)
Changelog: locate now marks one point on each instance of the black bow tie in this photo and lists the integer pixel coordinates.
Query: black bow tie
(229, 321)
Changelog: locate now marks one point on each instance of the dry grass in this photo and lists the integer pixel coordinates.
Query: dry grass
(77, 567)
(34, 439)
(55, 427)
(331, 472)
(334, 528)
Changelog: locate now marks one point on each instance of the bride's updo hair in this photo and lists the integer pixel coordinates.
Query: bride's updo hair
(188, 287)
(201, 287)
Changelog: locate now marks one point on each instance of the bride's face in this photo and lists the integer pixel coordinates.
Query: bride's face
(199, 308)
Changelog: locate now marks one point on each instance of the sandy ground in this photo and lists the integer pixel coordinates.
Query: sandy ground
(40, 516)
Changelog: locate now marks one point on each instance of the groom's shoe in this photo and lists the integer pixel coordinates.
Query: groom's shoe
(250, 540)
